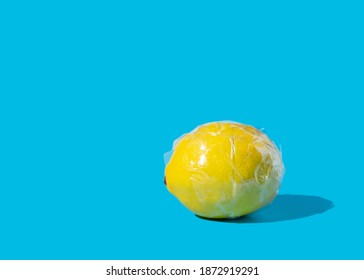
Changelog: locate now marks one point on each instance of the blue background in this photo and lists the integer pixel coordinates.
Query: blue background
(93, 93)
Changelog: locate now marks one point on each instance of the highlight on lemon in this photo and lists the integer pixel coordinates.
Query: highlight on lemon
(224, 170)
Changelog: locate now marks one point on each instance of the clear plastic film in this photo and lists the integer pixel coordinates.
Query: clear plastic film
(224, 170)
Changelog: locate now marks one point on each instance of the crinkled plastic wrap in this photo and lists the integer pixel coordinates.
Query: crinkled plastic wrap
(224, 170)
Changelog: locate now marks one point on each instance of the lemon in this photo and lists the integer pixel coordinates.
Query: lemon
(224, 170)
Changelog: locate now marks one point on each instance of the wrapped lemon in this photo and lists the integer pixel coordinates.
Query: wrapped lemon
(224, 170)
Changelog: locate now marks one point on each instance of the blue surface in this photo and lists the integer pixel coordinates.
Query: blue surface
(92, 94)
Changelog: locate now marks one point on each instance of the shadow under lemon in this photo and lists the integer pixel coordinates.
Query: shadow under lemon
(284, 207)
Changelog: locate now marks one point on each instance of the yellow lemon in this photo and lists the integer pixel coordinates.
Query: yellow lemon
(224, 170)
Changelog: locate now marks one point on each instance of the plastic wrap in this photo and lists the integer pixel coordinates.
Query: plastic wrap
(224, 170)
